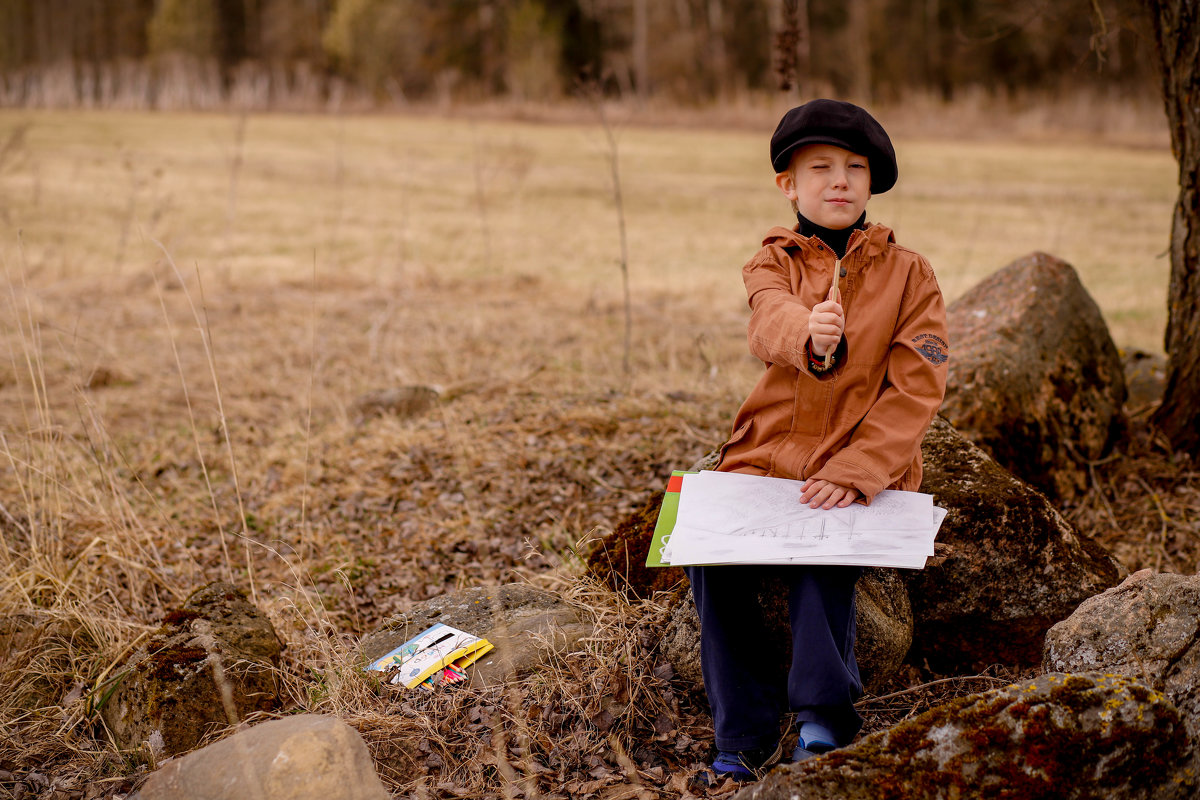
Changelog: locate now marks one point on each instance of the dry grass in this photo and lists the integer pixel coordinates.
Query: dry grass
(603, 718)
(385, 197)
(322, 257)
(348, 522)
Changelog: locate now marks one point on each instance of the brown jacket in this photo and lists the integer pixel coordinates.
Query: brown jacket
(861, 423)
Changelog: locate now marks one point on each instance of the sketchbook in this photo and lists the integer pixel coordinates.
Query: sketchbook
(436, 656)
(729, 518)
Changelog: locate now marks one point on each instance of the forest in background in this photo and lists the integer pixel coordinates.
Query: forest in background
(308, 54)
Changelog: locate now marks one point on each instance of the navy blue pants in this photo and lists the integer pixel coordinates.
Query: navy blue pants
(748, 699)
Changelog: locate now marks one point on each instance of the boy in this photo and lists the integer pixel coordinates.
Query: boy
(852, 330)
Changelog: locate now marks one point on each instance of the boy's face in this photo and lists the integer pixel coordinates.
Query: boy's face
(829, 185)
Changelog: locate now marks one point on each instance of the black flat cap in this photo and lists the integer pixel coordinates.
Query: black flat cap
(842, 124)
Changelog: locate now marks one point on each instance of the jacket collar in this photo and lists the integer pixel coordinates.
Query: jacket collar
(878, 237)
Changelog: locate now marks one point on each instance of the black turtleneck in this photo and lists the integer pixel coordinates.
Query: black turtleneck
(836, 239)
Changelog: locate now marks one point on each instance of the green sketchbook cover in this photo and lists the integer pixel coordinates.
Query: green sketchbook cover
(666, 519)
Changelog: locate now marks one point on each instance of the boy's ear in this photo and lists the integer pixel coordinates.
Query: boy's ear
(786, 185)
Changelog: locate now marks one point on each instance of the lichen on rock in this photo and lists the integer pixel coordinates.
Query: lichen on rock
(1086, 736)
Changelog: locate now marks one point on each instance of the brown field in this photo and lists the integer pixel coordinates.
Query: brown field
(193, 304)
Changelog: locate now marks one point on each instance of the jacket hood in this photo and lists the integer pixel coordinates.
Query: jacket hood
(878, 238)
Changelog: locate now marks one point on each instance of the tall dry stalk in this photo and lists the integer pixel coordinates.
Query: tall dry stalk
(135, 185)
(202, 325)
(187, 399)
(235, 168)
(313, 614)
(80, 567)
(481, 200)
(12, 146)
(339, 181)
(614, 161)
(312, 378)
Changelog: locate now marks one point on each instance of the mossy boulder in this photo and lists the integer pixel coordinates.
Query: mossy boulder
(1063, 736)
(1008, 565)
(884, 617)
(212, 662)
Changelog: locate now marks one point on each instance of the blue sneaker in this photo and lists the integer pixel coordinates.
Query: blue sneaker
(745, 765)
(813, 740)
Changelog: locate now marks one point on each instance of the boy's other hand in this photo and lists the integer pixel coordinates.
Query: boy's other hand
(823, 494)
(825, 326)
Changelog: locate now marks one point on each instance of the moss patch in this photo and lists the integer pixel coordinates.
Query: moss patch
(1060, 735)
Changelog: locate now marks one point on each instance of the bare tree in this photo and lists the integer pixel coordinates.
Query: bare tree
(1176, 26)
(793, 56)
(641, 46)
(718, 57)
(858, 50)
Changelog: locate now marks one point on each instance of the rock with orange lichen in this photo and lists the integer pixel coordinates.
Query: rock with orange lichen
(1085, 736)
(1148, 627)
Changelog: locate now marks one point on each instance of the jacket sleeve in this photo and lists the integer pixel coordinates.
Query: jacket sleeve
(888, 438)
(778, 330)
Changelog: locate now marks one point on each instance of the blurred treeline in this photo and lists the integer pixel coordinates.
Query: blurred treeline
(302, 53)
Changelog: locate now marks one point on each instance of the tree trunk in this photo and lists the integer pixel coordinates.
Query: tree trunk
(804, 77)
(718, 57)
(1177, 37)
(793, 55)
(858, 50)
(933, 45)
(641, 46)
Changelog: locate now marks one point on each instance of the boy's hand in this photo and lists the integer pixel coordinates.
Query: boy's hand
(825, 326)
(823, 494)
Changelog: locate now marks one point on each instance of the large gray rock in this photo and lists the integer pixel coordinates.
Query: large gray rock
(306, 757)
(1008, 565)
(1146, 628)
(212, 662)
(883, 616)
(525, 624)
(1035, 378)
(1067, 737)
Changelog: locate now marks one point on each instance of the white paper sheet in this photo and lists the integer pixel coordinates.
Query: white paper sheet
(730, 518)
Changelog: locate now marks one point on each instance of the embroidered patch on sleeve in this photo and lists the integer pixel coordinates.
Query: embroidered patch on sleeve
(934, 348)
